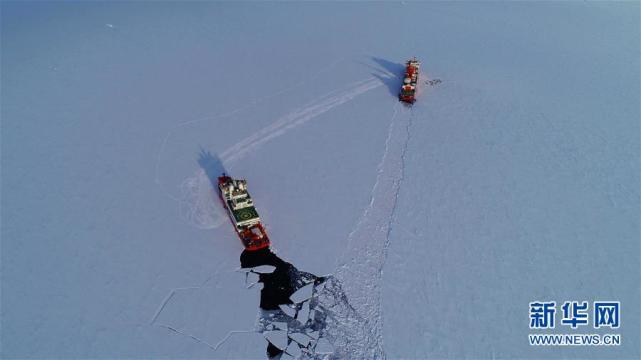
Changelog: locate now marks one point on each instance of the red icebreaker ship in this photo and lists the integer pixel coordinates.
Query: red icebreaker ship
(243, 214)
(410, 81)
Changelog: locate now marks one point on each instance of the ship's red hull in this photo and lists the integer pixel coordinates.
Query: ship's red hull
(407, 99)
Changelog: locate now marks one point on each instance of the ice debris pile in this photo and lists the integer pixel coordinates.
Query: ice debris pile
(296, 329)
(304, 316)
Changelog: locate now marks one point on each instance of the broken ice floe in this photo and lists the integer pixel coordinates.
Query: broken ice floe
(294, 350)
(251, 279)
(288, 310)
(303, 313)
(262, 269)
(286, 356)
(280, 325)
(323, 346)
(277, 338)
(302, 294)
(300, 338)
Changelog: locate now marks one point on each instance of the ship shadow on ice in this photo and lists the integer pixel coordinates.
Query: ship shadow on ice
(390, 74)
(211, 165)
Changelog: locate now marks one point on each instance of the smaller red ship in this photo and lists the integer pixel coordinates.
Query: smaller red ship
(410, 81)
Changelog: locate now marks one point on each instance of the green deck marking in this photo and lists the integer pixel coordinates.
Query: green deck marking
(245, 214)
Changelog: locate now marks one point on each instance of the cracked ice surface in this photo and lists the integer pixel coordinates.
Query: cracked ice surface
(359, 271)
(202, 314)
(334, 321)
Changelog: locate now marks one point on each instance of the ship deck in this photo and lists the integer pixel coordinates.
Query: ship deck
(245, 214)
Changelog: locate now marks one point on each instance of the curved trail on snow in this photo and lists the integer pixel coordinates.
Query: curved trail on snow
(298, 117)
(226, 114)
(197, 201)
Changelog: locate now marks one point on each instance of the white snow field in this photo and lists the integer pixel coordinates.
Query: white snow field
(514, 179)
